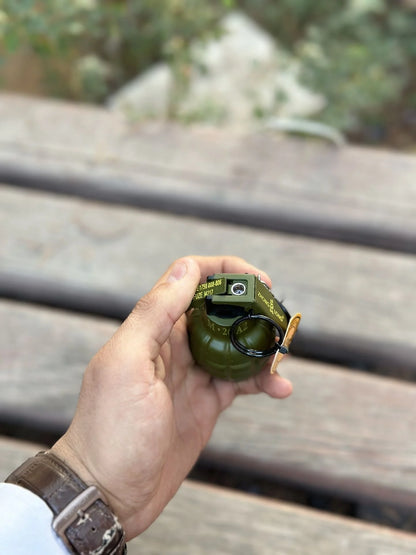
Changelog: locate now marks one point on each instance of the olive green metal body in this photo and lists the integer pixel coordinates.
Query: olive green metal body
(225, 306)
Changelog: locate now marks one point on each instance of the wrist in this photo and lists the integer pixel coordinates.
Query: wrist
(81, 515)
(66, 450)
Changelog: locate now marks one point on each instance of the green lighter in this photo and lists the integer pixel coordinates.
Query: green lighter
(236, 324)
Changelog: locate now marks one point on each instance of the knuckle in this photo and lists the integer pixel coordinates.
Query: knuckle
(143, 306)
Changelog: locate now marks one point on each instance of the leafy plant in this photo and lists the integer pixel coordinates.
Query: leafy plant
(90, 47)
(359, 54)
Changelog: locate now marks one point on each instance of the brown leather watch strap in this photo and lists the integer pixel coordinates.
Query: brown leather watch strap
(83, 519)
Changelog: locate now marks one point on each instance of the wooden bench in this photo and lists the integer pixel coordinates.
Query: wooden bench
(89, 226)
(203, 519)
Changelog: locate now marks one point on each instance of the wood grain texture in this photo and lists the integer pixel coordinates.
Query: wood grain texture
(342, 432)
(349, 434)
(354, 194)
(13, 453)
(346, 434)
(205, 520)
(343, 290)
(43, 356)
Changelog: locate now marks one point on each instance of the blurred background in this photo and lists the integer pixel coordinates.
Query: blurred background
(349, 64)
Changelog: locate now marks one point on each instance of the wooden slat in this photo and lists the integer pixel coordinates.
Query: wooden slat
(350, 194)
(345, 433)
(348, 434)
(65, 294)
(13, 453)
(43, 357)
(343, 291)
(202, 519)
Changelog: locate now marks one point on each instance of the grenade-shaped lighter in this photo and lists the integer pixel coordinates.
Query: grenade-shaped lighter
(236, 324)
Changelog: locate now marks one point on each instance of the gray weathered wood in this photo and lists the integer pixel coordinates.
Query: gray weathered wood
(206, 520)
(342, 432)
(43, 357)
(339, 432)
(346, 434)
(13, 452)
(343, 290)
(351, 194)
(202, 519)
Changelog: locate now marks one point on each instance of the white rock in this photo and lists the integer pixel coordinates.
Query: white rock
(147, 96)
(244, 74)
(366, 6)
(242, 46)
(300, 101)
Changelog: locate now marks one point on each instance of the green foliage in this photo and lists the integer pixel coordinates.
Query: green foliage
(289, 20)
(359, 54)
(361, 61)
(104, 42)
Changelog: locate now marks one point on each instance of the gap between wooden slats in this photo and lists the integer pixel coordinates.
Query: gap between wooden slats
(363, 354)
(287, 219)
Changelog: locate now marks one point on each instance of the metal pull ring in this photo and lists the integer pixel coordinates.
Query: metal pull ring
(255, 352)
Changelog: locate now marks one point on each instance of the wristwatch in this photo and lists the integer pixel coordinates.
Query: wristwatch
(82, 517)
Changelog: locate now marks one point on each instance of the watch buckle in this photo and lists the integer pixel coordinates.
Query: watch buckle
(75, 509)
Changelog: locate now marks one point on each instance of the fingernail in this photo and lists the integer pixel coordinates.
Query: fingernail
(178, 271)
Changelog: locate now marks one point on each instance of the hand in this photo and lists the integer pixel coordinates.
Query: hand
(146, 410)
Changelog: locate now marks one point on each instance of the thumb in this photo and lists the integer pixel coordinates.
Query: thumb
(150, 323)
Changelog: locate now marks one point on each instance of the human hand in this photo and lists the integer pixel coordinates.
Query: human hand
(146, 410)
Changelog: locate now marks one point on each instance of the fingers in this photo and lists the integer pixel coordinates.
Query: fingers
(151, 322)
(145, 331)
(158, 311)
(274, 385)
